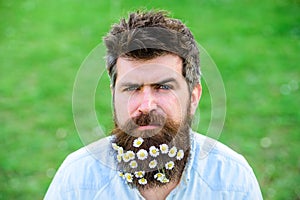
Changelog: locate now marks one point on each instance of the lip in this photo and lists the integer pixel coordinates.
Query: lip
(148, 127)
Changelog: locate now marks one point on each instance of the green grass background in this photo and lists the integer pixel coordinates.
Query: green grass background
(255, 44)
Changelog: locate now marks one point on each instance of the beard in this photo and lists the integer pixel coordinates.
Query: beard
(169, 134)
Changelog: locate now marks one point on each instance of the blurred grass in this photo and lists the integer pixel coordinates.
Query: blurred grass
(255, 45)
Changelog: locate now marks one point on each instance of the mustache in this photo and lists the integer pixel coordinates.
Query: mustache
(151, 118)
(145, 119)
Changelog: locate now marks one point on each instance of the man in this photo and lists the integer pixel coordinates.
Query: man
(152, 153)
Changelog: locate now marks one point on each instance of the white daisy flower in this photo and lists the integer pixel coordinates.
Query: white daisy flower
(143, 181)
(153, 164)
(169, 165)
(125, 157)
(180, 154)
(164, 180)
(121, 174)
(128, 177)
(159, 176)
(139, 174)
(119, 158)
(133, 164)
(114, 146)
(154, 152)
(164, 148)
(142, 154)
(120, 151)
(130, 154)
(138, 142)
(172, 152)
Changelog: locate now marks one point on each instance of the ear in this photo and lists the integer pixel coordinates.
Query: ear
(195, 97)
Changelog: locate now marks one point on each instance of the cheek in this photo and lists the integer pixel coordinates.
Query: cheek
(126, 107)
(132, 104)
(121, 109)
(174, 106)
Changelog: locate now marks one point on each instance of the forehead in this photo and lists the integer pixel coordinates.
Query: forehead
(149, 71)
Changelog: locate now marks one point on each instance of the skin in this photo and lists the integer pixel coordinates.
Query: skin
(153, 85)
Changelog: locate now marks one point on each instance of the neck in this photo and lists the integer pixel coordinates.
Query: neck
(158, 193)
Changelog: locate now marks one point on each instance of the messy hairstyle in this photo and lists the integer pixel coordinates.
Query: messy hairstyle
(147, 35)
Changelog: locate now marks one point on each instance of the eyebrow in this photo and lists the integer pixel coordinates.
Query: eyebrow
(168, 80)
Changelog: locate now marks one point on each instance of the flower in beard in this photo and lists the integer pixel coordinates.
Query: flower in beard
(169, 165)
(164, 148)
(154, 152)
(133, 164)
(153, 164)
(126, 157)
(119, 158)
(139, 174)
(128, 177)
(143, 181)
(115, 146)
(164, 180)
(120, 151)
(142, 154)
(180, 154)
(138, 142)
(130, 154)
(172, 152)
(121, 174)
(159, 176)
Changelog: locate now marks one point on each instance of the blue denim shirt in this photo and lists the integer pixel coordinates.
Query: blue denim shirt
(213, 172)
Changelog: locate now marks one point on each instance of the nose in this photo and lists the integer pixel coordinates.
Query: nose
(148, 100)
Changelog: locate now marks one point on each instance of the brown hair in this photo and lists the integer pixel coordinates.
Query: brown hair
(146, 35)
(172, 134)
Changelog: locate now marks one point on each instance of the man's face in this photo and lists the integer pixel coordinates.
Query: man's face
(152, 101)
(155, 85)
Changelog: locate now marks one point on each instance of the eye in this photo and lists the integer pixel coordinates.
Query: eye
(132, 88)
(163, 87)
